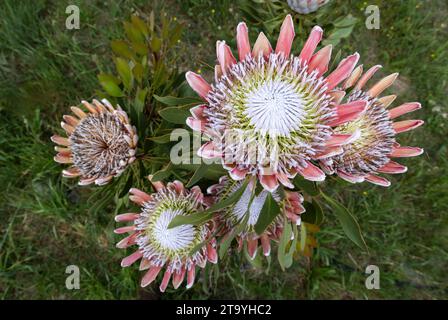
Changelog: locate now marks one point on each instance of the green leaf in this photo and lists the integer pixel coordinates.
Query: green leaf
(156, 44)
(162, 174)
(109, 84)
(124, 72)
(133, 33)
(348, 222)
(225, 243)
(288, 259)
(140, 24)
(126, 187)
(176, 101)
(268, 213)
(198, 174)
(175, 115)
(234, 197)
(140, 99)
(161, 139)
(138, 72)
(306, 186)
(284, 240)
(346, 21)
(193, 219)
(121, 48)
(314, 213)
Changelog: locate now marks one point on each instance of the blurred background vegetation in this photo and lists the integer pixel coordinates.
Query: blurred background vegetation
(48, 223)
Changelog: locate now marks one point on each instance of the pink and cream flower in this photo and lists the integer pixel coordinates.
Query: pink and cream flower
(269, 113)
(306, 6)
(100, 143)
(372, 153)
(177, 250)
(290, 205)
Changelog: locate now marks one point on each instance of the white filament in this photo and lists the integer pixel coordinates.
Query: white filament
(275, 108)
(177, 238)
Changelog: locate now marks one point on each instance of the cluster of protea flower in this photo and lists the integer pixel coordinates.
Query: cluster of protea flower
(269, 116)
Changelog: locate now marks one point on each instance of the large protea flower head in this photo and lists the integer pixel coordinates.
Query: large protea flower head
(161, 247)
(251, 204)
(270, 113)
(370, 154)
(100, 143)
(306, 6)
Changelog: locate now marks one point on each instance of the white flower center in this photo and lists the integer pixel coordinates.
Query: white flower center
(242, 205)
(275, 108)
(177, 238)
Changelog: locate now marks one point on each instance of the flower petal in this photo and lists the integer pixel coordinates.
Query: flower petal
(198, 84)
(350, 177)
(225, 56)
(150, 276)
(286, 37)
(312, 173)
(382, 85)
(405, 152)
(165, 280)
(403, 109)
(126, 262)
(380, 181)
(353, 78)
(406, 125)
(126, 217)
(311, 44)
(242, 41)
(252, 246)
(269, 182)
(344, 69)
(393, 167)
(191, 273)
(262, 46)
(387, 100)
(366, 77)
(266, 245)
(178, 277)
(320, 60)
(209, 151)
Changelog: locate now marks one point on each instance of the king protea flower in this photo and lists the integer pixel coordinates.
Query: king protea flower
(160, 247)
(100, 143)
(280, 104)
(372, 153)
(231, 217)
(306, 6)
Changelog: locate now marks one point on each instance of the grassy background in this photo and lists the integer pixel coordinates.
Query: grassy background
(47, 223)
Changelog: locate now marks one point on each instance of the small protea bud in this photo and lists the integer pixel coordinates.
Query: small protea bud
(100, 143)
(271, 113)
(232, 216)
(306, 6)
(170, 248)
(370, 154)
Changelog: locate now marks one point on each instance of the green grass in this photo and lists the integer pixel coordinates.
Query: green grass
(48, 223)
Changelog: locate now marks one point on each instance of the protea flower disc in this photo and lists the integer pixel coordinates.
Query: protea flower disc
(161, 247)
(306, 6)
(370, 154)
(271, 113)
(231, 217)
(100, 143)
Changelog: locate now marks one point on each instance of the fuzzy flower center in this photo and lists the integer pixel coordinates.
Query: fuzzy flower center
(162, 244)
(370, 151)
(274, 108)
(99, 146)
(177, 238)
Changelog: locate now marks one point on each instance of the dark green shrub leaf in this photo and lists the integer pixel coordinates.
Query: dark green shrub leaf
(268, 213)
(348, 222)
